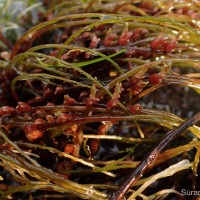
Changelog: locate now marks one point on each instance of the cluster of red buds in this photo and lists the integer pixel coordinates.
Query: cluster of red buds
(35, 120)
(163, 44)
(112, 39)
(137, 85)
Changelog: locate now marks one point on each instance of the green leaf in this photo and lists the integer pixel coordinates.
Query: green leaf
(85, 63)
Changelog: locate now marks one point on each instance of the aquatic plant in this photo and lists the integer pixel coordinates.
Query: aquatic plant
(88, 88)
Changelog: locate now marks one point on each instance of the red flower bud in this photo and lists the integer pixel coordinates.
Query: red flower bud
(68, 100)
(157, 43)
(7, 110)
(40, 121)
(139, 32)
(90, 101)
(112, 103)
(169, 46)
(23, 107)
(125, 37)
(156, 78)
(59, 90)
(136, 109)
(50, 119)
(64, 118)
(32, 132)
(110, 39)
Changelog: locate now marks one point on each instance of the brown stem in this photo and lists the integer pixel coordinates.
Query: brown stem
(151, 157)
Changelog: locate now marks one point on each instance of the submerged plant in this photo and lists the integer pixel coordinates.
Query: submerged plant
(88, 88)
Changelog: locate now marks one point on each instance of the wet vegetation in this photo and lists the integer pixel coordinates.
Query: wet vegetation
(89, 88)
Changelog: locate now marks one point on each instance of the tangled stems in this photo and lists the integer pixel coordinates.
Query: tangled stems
(150, 159)
(90, 88)
(46, 174)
